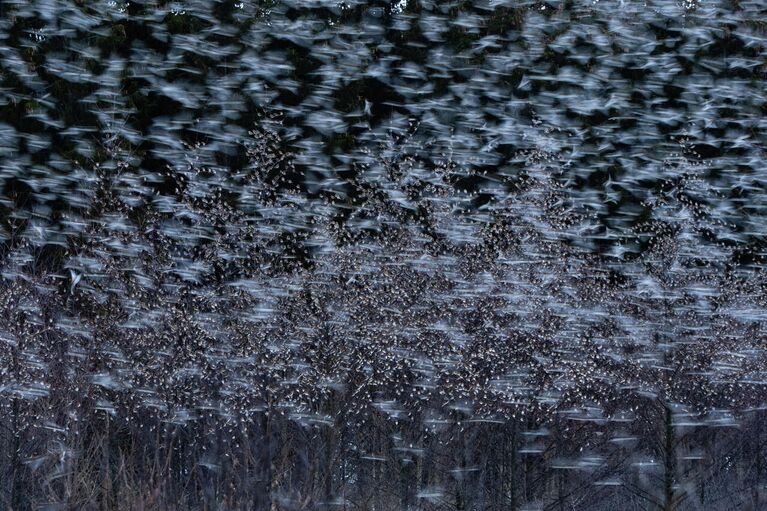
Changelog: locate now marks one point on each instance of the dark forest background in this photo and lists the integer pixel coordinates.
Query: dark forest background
(413, 255)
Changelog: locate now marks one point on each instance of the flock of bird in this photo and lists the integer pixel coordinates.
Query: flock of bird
(471, 211)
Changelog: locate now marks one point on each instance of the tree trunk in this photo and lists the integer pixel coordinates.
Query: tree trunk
(18, 502)
(669, 460)
(512, 466)
(262, 498)
(529, 494)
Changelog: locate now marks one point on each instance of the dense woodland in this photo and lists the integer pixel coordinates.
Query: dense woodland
(479, 255)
